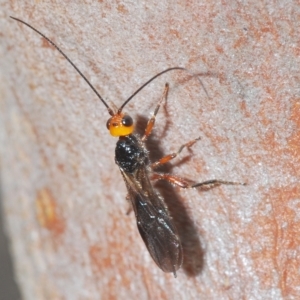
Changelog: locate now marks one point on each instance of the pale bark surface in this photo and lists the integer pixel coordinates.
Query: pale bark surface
(63, 195)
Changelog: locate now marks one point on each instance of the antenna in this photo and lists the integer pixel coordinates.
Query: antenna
(110, 111)
(69, 60)
(146, 83)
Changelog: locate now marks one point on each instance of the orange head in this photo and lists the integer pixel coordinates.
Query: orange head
(120, 124)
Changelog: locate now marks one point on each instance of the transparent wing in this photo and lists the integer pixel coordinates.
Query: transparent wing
(154, 222)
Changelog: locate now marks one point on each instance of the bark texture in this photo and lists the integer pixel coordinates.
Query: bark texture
(63, 196)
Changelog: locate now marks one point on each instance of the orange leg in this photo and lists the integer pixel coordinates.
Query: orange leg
(183, 183)
(169, 157)
(151, 121)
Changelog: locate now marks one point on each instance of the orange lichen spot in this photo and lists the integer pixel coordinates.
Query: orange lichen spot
(47, 214)
(45, 44)
(294, 145)
(219, 48)
(244, 109)
(104, 258)
(240, 42)
(175, 33)
(276, 237)
(61, 167)
(295, 115)
(122, 9)
(99, 257)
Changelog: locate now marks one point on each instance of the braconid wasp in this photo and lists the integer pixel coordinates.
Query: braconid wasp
(154, 222)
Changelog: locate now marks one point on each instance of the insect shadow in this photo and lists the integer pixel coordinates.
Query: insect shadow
(193, 252)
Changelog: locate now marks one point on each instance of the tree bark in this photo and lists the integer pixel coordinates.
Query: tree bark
(64, 197)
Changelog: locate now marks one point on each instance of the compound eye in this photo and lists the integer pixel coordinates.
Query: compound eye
(127, 121)
(108, 123)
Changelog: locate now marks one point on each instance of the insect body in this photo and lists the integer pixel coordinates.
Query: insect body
(154, 222)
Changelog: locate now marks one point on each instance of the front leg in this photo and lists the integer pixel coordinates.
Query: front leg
(151, 121)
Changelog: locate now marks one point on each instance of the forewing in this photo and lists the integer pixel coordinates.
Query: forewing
(154, 222)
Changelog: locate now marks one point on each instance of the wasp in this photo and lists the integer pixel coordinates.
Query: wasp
(154, 222)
